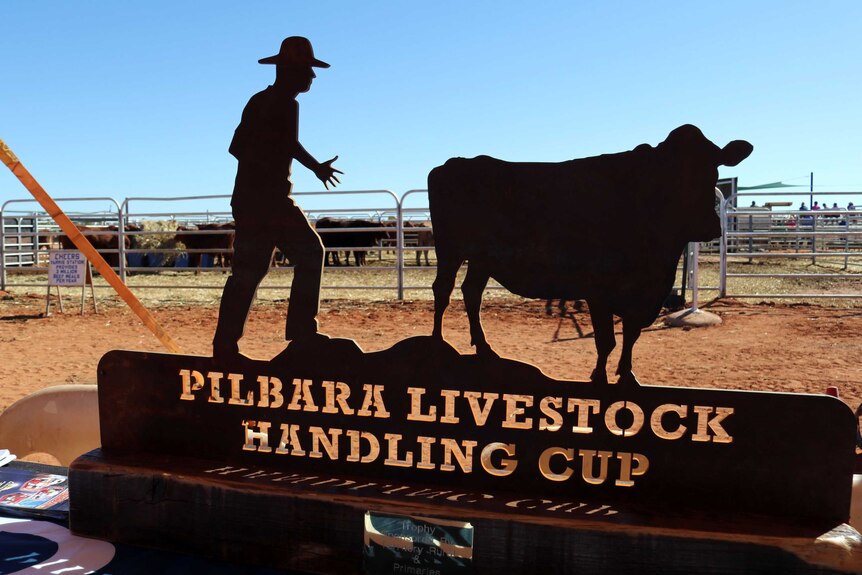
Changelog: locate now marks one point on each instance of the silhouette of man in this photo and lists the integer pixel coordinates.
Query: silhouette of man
(265, 144)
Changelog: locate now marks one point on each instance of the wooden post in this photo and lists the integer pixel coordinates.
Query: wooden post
(83, 244)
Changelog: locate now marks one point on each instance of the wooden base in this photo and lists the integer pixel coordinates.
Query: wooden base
(316, 523)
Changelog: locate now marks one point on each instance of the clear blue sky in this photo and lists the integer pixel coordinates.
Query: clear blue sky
(125, 99)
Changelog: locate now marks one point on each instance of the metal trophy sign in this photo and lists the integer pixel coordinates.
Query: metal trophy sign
(395, 457)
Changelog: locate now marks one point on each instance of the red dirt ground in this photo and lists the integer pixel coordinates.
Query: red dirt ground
(786, 348)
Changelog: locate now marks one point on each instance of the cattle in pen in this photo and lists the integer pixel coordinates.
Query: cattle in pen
(421, 235)
(349, 235)
(614, 238)
(106, 240)
(214, 239)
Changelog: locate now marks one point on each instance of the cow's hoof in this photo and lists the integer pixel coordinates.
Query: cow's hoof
(628, 379)
(599, 376)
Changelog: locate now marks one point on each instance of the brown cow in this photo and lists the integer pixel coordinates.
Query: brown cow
(104, 239)
(420, 235)
(614, 238)
(216, 240)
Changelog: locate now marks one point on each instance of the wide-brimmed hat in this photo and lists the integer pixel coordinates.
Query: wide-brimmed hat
(295, 51)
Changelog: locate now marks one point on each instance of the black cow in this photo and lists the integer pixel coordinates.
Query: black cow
(614, 238)
(349, 240)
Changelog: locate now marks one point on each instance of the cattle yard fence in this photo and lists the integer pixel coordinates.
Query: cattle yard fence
(766, 251)
(786, 250)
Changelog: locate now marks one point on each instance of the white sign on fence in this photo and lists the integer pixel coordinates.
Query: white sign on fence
(66, 268)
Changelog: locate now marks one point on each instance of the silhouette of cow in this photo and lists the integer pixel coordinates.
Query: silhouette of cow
(614, 238)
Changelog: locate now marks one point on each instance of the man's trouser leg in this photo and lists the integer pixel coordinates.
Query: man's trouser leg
(252, 253)
(302, 246)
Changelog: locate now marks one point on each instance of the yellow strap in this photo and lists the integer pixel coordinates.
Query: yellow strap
(83, 244)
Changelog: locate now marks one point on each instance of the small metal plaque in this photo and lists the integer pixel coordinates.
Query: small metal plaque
(396, 545)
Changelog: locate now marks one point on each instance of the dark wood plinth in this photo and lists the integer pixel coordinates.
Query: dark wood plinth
(315, 523)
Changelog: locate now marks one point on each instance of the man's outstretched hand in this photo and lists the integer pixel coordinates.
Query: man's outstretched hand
(326, 173)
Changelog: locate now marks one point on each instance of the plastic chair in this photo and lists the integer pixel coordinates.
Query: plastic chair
(61, 421)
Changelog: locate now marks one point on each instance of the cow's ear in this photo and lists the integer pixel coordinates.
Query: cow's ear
(734, 152)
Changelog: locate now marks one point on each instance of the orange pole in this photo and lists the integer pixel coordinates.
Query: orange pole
(83, 244)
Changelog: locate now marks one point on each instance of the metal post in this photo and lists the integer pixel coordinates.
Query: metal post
(121, 246)
(722, 250)
(2, 251)
(399, 249)
(750, 237)
(811, 192)
(814, 239)
(694, 253)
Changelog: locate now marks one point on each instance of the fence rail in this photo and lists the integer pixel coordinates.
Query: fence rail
(800, 248)
(757, 242)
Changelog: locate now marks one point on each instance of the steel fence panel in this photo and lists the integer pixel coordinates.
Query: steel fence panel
(831, 236)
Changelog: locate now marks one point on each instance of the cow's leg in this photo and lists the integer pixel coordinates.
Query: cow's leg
(473, 288)
(603, 331)
(444, 283)
(631, 333)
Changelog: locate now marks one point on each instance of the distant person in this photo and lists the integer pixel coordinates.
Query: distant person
(805, 220)
(850, 206)
(816, 206)
(753, 204)
(265, 144)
